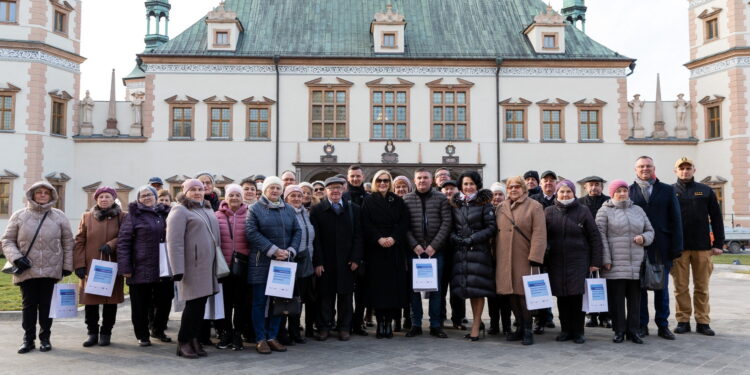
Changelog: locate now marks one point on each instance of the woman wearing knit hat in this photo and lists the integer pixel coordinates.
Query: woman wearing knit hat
(574, 250)
(625, 231)
(273, 232)
(142, 233)
(192, 238)
(308, 195)
(97, 239)
(401, 186)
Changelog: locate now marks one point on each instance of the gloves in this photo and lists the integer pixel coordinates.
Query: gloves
(105, 249)
(66, 273)
(535, 264)
(81, 272)
(177, 277)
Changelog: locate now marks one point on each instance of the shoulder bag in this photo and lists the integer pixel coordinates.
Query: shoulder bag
(11, 267)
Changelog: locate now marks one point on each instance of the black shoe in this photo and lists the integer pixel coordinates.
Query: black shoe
(704, 329)
(515, 336)
(322, 335)
(91, 341)
(592, 322)
(438, 332)
(26, 347)
(104, 340)
(144, 342)
(493, 331)
(549, 324)
(665, 333)
(45, 346)
(237, 343)
(579, 339)
(161, 336)
(643, 331)
(407, 324)
(459, 326)
(619, 337)
(224, 343)
(564, 336)
(635, 337)
(359, 331)
(528, 337)
(414, 331)
(682, 328)
(539, 328)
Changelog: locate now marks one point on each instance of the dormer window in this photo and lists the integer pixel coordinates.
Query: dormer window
(389, 40)
(710, 19)
(221, 38)
(550, 41)
(547, 32)
(223, 29)
(387, 31)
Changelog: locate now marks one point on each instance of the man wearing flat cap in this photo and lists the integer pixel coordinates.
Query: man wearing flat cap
(594, 199)
(700, 211)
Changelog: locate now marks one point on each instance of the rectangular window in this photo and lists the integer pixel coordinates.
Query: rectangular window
(551, 125)
(57, 125)
(258, 120)
(389, 40)
(6, 112)
(222, 38)
(60, 22)
(714, 122)
(60, 188)
(515, 124)
(220, 123)
(550, 41)
(8, 10)
(719, 191)
(450, 114)
(712, 29)
(589, 125)
(182, 122)
(329, 114)
(390, 114)
(4, 198)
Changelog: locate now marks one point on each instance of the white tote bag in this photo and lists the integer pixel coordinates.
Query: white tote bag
(424, 275)
(101, 278)
(595, 296)
(164, 268)
(177, 304)
(215, 306)
(280, 282)
(538, 292)
(64, 301)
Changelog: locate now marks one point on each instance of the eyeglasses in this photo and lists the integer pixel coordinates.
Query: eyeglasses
(383, 180)
(511, 187)
(319, 189)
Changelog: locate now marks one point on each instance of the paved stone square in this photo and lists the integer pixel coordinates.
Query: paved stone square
(727, 353)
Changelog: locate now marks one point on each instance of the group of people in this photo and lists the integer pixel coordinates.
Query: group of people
(354, 246)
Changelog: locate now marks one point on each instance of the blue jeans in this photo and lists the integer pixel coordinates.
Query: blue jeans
(661, 303)
(265, 329)
(435, 301)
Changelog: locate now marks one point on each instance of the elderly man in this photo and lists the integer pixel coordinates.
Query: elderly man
(531, 178)
(441, 175)
(546, 197)
(700, 211)
(659, 202)
(594, 200)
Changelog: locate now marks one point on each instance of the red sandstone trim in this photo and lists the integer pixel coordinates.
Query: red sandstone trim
(693, 33)
(736, 23)
(694, 107)
(34, 158)
(622, 109)
(76, 104)
(148, 107)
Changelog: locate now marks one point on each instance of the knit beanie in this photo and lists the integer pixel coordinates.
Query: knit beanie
(106, 189)
(232, 188)
(205, 174)
(533, 174)
(271, 180)
(616, 184)
(497, 186)
(191, 182)
(291, 189)
(567, 183)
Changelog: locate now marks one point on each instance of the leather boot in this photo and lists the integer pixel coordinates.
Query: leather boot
(91, 341)
(528, 335)
(198, 348)
(185, 349)
(517, 335)
(26, 347)
(380, 330)
(104, 340)
(388, 328)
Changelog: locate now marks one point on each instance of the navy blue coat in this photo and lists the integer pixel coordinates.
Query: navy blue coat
(142, 229)
(266, 227)
(663, 211)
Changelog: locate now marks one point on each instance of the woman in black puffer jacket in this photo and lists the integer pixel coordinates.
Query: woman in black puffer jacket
(473, 227)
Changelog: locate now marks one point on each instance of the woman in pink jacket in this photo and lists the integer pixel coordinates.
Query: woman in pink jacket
(231, 215)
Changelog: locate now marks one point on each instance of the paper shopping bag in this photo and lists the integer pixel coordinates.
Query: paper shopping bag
(595, 296)
(280, 282)
(424, 275)
(64, 301)
(215, 306)
(101, 278)
(164, 269)
(177, 304)
(537, 291)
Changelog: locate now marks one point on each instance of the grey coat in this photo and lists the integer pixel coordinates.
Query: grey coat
(191, 250)
(619, 223)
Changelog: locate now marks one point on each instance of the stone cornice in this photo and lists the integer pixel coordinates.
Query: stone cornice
(718, 66)
(697, 3)
(39, 52)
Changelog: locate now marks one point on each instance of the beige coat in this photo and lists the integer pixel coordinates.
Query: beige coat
(92, 234)
(53, 248)
(513, 251)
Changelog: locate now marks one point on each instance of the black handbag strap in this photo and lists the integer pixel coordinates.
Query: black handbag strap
(513, 222)
(36, 234)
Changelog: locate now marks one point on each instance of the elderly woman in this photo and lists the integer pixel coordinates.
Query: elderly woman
(385, 220)
(574, 250)
(402, 186)
(192, 239)
(142, 234)
(273, 232)
(97, 239)
(473, 227)
(308, 195)
(208, 185)
(519, 246)
(319, 190)
(625, 231)
(249, 190)
(232, 215)
(38, 241)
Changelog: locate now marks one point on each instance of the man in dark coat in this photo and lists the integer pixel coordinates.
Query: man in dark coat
(544, 317)
(355, 192)
(700, 210)
(458, 305)
(659, 202)
(594, 200)
(338, 254)
(532, 182)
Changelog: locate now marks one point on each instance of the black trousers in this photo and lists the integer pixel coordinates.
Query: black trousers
(360, 300)
(109, 316)
(499, 309)
(236, 309)
(303, 289)
(522, 314)
(618, 291)
(36, 295)
(342, 303)
(571, 315)
(150, 306)
(192, 319)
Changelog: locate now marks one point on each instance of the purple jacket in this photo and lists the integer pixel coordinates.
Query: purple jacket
(138, 244)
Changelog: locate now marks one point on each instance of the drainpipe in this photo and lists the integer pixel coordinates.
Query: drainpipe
(498, 62)
(276, 60)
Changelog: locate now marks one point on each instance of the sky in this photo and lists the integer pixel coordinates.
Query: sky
(655, 32)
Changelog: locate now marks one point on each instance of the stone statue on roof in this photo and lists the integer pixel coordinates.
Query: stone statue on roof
(681, 107)
(637, 107)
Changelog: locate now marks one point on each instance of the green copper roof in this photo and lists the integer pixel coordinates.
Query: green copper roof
(135, 74)
(440, 29)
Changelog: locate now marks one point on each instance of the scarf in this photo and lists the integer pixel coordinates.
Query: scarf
(645, 186)
(566, 201)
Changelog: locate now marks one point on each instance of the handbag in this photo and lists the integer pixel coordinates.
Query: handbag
(286, 306)
(220, 264)
(652, 274)
(11, 267)
(238, 265)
